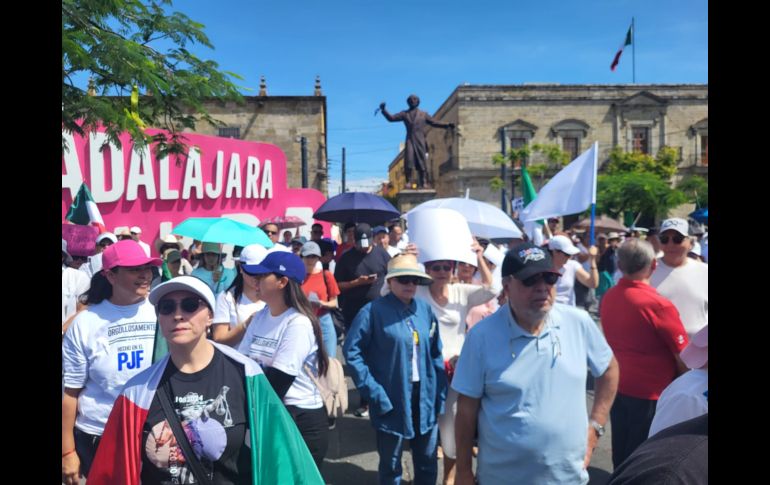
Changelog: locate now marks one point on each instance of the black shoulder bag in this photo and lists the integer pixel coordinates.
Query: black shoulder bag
(164, 396)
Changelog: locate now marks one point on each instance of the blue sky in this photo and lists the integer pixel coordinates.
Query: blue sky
(367, 52)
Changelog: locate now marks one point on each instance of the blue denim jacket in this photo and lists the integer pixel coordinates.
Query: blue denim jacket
(379, 349)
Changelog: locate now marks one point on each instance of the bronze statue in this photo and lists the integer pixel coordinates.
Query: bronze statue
(416, 150)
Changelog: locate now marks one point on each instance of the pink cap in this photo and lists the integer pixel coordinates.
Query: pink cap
(127, 253)
(696, 354)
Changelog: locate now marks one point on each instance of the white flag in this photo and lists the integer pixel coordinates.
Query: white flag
(570, 191)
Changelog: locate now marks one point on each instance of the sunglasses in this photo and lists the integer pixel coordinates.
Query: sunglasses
(270, 233)
(191, 304)
(441, 267)
(677, 239)
(123, 238)
(407, 280)
(549, 278)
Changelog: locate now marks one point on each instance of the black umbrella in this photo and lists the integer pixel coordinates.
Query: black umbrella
(356, 207)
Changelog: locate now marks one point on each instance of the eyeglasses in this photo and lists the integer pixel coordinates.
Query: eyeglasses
(678, 238)
(271, 233)
(550, 279)
(408, 280)
(441, 267)
(188, 305)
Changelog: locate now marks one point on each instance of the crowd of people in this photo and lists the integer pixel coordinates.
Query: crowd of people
(180, 369)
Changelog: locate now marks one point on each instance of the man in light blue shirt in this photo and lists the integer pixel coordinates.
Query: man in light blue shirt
(522, 378)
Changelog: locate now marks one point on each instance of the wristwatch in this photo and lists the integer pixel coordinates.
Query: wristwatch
(598, 428)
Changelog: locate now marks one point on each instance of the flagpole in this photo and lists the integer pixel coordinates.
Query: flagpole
(633, 49)
(593, 195)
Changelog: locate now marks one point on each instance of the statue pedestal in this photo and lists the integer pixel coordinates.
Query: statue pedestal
(408, 199)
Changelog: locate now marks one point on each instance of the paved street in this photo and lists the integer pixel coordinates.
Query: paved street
(352, 456)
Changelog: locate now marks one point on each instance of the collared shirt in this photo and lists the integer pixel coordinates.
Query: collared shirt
(532, 420)
(379, 349)
(645, 334)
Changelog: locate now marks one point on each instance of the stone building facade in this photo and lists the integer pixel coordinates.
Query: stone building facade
(281, 121)
(492, 119)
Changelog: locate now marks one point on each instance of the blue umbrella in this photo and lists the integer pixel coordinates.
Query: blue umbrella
(701, 215)
(356, 207)
(222, 230)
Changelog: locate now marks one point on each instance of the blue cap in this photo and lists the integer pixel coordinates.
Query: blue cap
(279, 262)
(379, 229)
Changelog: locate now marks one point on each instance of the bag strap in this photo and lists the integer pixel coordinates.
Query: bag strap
(164, 396)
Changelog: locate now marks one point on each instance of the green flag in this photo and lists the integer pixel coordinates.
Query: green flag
(528, 190)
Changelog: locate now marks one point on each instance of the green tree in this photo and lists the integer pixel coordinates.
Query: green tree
(541, 159)
(696, 189)
(636, 182)
(125, 46)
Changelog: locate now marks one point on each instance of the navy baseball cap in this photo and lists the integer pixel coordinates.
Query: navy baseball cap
(279, 262)
(379, 229)
(526, 260)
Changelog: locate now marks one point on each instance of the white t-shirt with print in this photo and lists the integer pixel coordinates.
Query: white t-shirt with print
(285, 342)
(226, 309)
(565, 286)
(687, 287)
(106, 345)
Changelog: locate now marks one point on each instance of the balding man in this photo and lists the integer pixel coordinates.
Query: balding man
(646, 336)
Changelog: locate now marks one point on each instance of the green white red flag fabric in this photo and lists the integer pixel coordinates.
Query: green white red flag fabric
(279, 455)
(84, 210)
(629, 37)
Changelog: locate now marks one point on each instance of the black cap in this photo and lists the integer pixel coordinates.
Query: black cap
(363, 229)
(526, 260)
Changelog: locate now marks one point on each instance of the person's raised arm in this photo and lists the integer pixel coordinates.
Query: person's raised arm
(386, 114)
(589, 279)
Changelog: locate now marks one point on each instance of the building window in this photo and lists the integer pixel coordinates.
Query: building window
(230, 132)
(704, 150)
(571, 146)
(641, 139)
(517, 143)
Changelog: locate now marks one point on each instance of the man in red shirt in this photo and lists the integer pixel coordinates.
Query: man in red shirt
(646, 335)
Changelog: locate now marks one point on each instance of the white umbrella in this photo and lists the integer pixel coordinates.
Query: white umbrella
(484, 220)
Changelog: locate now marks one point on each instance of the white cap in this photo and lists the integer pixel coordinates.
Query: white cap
(675, 224)
(278, 248)
(252, 254)
(696, 248)
(563, 244)
(310, 248)
(184, 283)
(106, 235)
(136, 230)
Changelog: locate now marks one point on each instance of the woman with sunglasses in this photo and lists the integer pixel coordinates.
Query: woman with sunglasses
(236, 306)
(451, 303)
(394, 351)
(203, 409)
(285, 338)
(562, 250)
(107, 344)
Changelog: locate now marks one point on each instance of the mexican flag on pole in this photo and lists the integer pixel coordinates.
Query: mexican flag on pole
(629, 36)
(84, 211)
